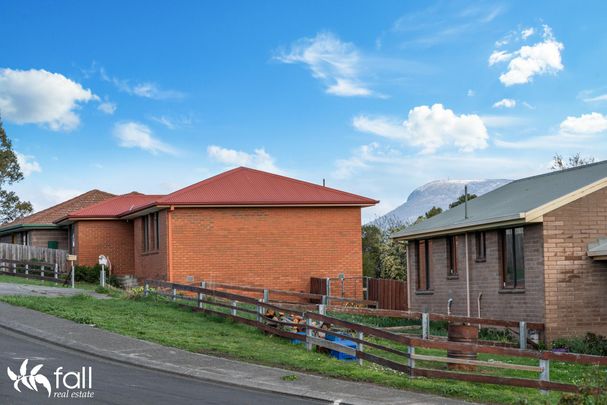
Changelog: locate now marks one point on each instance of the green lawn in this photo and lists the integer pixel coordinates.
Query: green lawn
(158, 320)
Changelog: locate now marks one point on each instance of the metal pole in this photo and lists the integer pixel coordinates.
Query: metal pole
(233, 309)
(545, 374)
(27, 267)
(56, 270)
(522, 335)
(360, 347)
(73, 275)
(174, 294)
(411, 361)
(41, 271)
(146, 289)
(102, 276)
(322, 309)
(467, 278)
(259, 309)
(201, 296)
(266, 295)
(308, 334)
(425, 325)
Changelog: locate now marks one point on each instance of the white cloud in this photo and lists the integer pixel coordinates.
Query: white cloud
(136, 135)
(107, 107)
(470, 93)
(145, 89)
(527, 32)
(172, 123)
(41, 97)
(542, 58)
(363, 158)
(592, 123)
(502, 121)
(429, 128)
(602, 97)
(330, 60)
(575, 133)
(53, 195)
(505, 103)
(28, 164)
(259, 159)
(499, 56)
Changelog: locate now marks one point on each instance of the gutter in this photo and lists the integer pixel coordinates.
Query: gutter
(16, 228)
(467, 227)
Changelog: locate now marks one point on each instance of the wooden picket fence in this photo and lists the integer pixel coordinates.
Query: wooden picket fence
(252, 311)
(24, 253)
(37, 270)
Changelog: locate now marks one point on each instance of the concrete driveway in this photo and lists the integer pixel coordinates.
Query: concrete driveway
(44, 291)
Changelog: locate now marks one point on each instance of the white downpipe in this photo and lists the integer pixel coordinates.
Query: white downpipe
(467, 278)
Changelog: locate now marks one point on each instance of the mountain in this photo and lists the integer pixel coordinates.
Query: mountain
(439, 193)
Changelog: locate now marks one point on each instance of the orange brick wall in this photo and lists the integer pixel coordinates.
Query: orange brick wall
(277, 248)
(576, 285)
(152, 265)
(111, 238)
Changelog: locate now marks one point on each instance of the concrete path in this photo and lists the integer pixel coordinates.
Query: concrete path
(93, 341)
(44, 291)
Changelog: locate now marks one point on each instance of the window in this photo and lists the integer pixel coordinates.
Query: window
(424, 248)
(452, 256)
(481, 250)
(513, 258)
(149, 232)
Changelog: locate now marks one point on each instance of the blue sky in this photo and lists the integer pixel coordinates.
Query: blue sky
(375, 97)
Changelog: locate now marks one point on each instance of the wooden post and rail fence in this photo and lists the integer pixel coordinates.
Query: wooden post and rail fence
(36, 270)
(400, 352)
(389, 294)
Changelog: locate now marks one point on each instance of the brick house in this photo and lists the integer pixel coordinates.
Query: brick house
(242, 226)
(533, 250)
(40, 230)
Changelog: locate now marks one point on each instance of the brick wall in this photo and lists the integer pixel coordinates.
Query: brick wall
(485, 278)
(278, 248)
(41, 237)
(576, 285)
(111, 238)
(153, 264)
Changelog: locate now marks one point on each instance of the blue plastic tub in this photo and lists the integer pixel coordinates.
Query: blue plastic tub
(297, 341)
(344, 342)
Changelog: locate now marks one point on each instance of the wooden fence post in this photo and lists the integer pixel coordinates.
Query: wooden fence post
(41, 271)
(146, 289)
(234, 307)
(522, 335)
(174, 294)
(322, 309)
(411, 360)
(425, 325)
(545, 374)
(360, 347)
(27, 268)
(56, 271)
(14, 267)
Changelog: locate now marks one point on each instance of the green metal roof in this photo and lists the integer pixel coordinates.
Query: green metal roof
(510, 203)
(25, 227)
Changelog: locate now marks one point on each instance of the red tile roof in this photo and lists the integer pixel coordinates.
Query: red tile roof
(244, 186)
(113, 207)
(51, 214)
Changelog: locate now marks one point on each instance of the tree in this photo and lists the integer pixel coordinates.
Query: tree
(11, 207)
(573, 161)
(382, 256)
(462, 199)
(429, 214)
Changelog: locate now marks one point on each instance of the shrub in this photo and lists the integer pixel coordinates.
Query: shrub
(590, 344)
(91, 274)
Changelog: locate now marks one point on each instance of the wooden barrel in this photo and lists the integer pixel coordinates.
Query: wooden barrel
(462, 334)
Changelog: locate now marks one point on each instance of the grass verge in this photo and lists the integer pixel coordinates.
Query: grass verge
(168, 324)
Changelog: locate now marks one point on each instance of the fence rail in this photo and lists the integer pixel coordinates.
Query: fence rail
(10, 251)
(321, 298)
(315, 327)
(31, 269)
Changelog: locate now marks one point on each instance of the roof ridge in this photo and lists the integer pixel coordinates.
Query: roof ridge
(559, 171)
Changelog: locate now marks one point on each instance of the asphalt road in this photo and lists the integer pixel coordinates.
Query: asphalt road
(113, 383)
